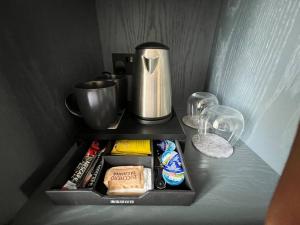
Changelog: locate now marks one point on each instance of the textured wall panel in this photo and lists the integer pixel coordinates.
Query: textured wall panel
(187, 27)
(255, 67)
(46, 47)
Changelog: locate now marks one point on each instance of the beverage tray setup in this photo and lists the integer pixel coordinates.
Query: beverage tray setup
(130, 151)
(128, 129)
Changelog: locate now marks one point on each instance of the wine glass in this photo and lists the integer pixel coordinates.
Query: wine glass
(197, 102)
(220, 127)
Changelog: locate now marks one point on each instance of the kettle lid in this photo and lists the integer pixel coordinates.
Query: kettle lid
(152, 45)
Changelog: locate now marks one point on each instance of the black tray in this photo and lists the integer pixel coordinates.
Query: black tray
(96, 195)
(130, 128)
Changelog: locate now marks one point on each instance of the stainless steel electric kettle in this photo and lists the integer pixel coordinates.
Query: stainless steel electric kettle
(152, 94)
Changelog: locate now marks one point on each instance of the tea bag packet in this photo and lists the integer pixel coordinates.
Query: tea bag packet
(131, 147)
(127, 180)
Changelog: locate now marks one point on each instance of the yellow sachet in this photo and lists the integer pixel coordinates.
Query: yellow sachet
(131, 147)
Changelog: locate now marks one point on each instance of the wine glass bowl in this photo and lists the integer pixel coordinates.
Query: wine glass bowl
(220, 128)
(224, 121)
(197, 102)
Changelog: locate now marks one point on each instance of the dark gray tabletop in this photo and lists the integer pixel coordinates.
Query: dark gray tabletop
(230, 191)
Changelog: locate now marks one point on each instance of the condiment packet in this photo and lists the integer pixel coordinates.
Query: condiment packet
(166, 145)
(131, 147)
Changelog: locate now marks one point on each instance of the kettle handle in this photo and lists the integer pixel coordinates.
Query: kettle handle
(69, 100)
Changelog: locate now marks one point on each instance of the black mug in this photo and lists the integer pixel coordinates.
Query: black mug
(97, 103)
(121, 87)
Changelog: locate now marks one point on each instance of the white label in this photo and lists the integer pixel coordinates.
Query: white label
(115, 201)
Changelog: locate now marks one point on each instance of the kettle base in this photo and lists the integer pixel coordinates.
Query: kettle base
(148, 121)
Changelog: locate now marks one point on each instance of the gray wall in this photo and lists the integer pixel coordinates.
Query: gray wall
(46, 47)
(255, 67)
(187, 27)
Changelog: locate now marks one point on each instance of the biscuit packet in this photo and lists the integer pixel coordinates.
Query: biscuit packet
(127, 180)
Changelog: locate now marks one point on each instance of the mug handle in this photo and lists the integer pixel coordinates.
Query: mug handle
(71, 104)
(107, 74)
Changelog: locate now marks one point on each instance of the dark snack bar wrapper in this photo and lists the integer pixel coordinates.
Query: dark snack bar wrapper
(91, 174)
(83, 166)
(95, 173)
